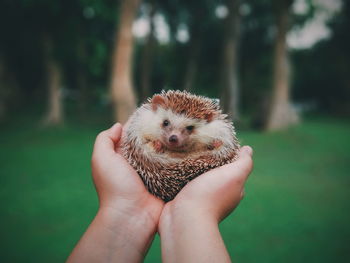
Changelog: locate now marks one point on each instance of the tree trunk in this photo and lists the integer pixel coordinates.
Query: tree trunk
(3, 89)
(54, 115)
(82, 80)
(123, 95)
(281, 114)
(9, 90)
(230, 95)
(196, 29)
(83, 91)
(146, 63)
(192, 64)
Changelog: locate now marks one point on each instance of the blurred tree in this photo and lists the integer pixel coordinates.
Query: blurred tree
(182, 15)
(231, 95)
(82, 76)
(92, 44)
(196, 28)
(53, 39)
(281, 113)
(8, 88)
(196, 34)
(322, 73)
(82, 32)
(255, 59)
(3, 90)
(148, 53)
(123, 95)
(258, 26)
(17, 58)
(54, 114)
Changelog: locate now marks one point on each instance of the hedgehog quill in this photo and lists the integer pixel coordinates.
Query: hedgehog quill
(176, 136)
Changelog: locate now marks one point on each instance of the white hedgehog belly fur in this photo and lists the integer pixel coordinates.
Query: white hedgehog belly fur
(165, 175)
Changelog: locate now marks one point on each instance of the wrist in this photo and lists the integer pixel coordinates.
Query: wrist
(128, 216)
(114, 236)
(175, 217)
(190, 234)
(142, 210)
(137, 227)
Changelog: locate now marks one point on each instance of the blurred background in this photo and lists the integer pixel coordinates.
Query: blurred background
(280, 68)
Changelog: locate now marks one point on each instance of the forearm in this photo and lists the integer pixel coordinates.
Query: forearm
(191, 237)
(114, 237)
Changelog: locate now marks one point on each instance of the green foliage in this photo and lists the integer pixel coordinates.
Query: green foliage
(256, 56)
(82, 33)
(322, 73)
(295, 209)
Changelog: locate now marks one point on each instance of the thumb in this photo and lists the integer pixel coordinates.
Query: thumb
(114, 133)
(107, 139)
(245, 150)
(238, 170)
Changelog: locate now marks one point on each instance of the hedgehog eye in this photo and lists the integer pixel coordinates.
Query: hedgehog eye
(190, 128)
(166, 123)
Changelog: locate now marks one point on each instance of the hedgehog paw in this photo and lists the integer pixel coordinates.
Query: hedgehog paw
(158, 146)
(215, 144)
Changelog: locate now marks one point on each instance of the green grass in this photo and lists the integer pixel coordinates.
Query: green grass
(296, 207)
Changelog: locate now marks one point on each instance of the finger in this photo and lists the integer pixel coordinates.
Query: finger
(238, 170)
(115, 132)
(245, 160)
(106, 140)
(242, 193)
(246, 150)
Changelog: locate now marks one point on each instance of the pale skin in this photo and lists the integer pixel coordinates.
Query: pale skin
(129, 216)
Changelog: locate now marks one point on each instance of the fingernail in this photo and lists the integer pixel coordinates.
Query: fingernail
(242, 194)
(248, 150)
(115, 125)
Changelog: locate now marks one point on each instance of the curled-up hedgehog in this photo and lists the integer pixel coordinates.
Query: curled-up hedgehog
(176, 136)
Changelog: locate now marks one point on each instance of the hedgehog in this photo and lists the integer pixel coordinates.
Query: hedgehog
(176, 136)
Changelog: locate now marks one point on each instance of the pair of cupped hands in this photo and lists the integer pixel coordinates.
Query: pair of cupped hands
(129, 210)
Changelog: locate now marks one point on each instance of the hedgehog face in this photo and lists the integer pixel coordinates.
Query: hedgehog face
(165, 126)
(177, 131)
(176, 137)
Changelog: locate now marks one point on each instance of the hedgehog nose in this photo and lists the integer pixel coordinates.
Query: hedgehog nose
(173, 139)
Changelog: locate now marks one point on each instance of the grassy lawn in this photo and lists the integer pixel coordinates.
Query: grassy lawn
(296, 207)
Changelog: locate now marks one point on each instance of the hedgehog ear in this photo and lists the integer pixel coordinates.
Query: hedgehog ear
(209, 116)
(157, 101)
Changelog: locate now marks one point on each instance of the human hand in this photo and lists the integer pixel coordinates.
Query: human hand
(217, 192)
(188, 224)
(128, 214)
(118, 185)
